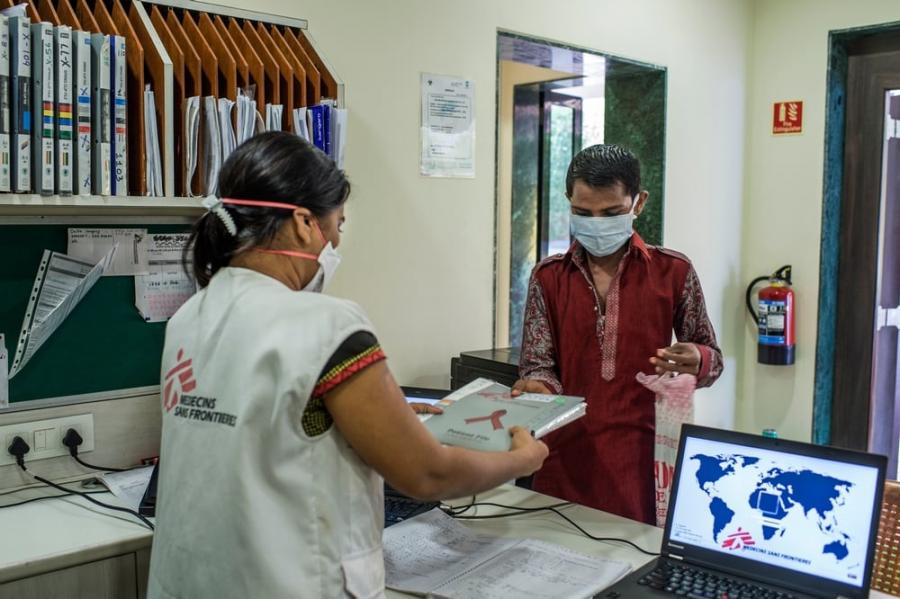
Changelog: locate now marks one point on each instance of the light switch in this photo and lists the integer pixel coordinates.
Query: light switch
(40, 439)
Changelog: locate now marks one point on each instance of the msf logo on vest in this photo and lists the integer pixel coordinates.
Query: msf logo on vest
(183, 374)
(738, 540)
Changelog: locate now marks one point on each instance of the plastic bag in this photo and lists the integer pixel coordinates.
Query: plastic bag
(674, 407)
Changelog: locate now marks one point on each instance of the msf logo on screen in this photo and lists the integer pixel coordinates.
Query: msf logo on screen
(182, 374)
(738, 540)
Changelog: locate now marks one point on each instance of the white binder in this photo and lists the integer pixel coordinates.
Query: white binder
(81, 76)
(119, 85)
(64, 130)
(5, 149)
(20, 102)
(101, 109)
(42, 80)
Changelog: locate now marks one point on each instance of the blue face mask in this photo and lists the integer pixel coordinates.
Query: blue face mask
(603, 235)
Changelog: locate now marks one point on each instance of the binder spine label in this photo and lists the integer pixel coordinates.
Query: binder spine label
(64, 148)
(119, 143)
(20, 95)
(47, 115)
(5, 124)
(82, 91)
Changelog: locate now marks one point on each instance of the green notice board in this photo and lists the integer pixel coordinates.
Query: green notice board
(104, 344)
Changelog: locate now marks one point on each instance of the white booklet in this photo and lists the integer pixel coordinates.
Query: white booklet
(433, 555)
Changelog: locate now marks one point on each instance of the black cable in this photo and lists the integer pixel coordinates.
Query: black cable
(456, 511)
(72, 440)
(548, 508)
(42, 497)
(41, 486)
(92, 467)
(19, 448)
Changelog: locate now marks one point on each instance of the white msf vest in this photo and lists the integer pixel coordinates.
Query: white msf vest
(249, 505)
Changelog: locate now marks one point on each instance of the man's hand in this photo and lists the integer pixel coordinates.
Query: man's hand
(530, 386)
(679, 358)
(424, 408)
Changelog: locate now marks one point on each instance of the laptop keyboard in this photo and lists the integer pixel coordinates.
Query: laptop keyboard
(398, 508)
(685, 581)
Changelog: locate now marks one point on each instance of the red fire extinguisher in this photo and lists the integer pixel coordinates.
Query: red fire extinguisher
(775, 319)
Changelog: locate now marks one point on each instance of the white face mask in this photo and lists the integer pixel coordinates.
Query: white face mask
(329, 259)
(603, 235)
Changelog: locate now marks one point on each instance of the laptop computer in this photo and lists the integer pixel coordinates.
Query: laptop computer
(756, 517)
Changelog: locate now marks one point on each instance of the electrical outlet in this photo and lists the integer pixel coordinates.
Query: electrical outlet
(45, 437)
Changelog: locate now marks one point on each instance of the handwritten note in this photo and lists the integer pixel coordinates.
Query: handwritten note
(159, 293)
(128, 246)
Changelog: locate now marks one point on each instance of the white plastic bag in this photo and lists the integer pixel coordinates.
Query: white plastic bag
(674, 407)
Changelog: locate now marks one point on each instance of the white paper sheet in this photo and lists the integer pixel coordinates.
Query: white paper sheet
(300, 126)
(434, 555)
(246, 117)
(448, 126)
(226, 127)
(128, 486)
(4, 373)
(273, 116)
(159, 294)
(60, 284)
(212, 147)
(129, 249)
(153, 159)
(192, 141)
(339, 131)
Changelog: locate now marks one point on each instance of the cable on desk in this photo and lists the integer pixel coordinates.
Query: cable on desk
(548, 508)
(19, 448)
(42, 497)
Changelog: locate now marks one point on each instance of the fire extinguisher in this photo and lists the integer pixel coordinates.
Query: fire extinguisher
(775, 319)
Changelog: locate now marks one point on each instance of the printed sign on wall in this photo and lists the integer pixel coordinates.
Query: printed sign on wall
(788, 117)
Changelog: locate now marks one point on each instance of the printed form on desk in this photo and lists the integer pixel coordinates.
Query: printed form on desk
(433, 555)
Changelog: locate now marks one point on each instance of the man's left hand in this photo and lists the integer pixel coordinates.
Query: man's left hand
(424, 408)
(679, 358)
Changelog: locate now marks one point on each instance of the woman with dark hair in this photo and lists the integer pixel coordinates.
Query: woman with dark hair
(280, 416)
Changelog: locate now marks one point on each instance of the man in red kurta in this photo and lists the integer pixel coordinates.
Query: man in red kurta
(595, 317)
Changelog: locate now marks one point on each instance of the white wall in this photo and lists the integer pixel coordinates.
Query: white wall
(419, 253)
(783, 206)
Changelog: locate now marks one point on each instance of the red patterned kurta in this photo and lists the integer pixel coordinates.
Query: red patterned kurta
(605, 460)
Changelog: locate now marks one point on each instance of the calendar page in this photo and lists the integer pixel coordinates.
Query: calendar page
(159, 294)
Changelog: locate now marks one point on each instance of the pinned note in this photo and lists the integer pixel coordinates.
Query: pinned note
(159, 294)
(128, 246)
(4, 369)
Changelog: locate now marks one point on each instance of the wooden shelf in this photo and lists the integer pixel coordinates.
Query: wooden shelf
(36, 205)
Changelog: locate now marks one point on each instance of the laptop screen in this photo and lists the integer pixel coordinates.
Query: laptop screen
(784, 509)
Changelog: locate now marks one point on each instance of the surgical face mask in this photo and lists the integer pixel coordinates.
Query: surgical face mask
(329, 259)
(603, 235)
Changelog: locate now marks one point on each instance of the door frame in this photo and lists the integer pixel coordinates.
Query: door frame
(829, 400)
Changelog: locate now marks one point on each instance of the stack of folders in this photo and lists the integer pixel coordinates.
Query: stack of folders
(63, 125)
(325, 126)
(479, 415)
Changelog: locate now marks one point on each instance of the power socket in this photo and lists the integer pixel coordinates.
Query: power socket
(45, 437)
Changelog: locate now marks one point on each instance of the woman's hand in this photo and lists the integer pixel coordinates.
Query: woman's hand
(534, 451)
(424, 408)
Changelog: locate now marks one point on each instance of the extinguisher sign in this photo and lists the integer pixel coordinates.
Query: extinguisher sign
(787, 118)
(771, 322)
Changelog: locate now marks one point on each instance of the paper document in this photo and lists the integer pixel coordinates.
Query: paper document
(448, 126)
(128, 486)
(4, 373)
(151, 145)
(128, 247)
(273, 117)
(300, 126)
(481, 419)
(159, 294)
(226, 128)
(246, 117)
(339, 132)
(191, 141)
(435, 555)
(61, 283)
(212, 146)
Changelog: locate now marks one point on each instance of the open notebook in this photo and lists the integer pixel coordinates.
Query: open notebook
(479, 415)
(433, 555)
